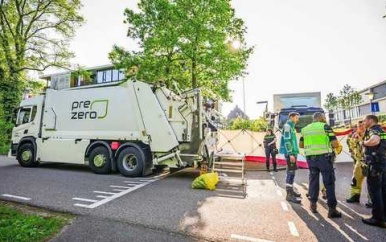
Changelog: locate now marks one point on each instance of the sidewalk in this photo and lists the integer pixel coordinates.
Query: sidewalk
(87, 228)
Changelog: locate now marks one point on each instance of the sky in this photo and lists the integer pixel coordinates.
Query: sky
(300, 45)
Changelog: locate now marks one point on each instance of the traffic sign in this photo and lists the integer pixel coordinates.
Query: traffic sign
(374, 107)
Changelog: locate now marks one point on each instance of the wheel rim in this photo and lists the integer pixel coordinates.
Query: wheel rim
(130, 162)
(99, 160)
(26, 155)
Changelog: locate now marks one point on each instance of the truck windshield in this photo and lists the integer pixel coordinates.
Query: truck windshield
(304, 119)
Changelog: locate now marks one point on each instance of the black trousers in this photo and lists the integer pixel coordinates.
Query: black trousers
(321, 164)
(270, 152)
(376, 182)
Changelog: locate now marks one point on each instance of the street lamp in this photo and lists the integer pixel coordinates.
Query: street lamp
(370, 95)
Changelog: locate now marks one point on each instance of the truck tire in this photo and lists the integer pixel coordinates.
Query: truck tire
(130, 162)
(100, 161)
(26, 156)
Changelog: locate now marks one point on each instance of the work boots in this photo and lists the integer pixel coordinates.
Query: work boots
(291, 197)
(274, 168)
(353, 199)
(374, 222)
(295, 193)
(333, 213)
(313, 207)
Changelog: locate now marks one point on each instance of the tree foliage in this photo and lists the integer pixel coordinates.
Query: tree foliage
(34, 35)
(349, 97)
(185, 43)
(331, 102)
(257, 125)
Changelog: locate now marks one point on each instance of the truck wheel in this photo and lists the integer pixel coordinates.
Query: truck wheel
(26, 156)
(99, 160)
(130, 162)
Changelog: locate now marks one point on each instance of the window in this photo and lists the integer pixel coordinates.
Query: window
(108, 75)
(100, 76)
(121, 75)
(115, 75)
(26, 115)
(33, 115)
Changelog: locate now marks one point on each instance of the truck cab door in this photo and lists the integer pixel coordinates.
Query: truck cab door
(25, 124)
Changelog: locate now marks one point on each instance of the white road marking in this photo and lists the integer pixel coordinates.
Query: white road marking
(352, 210)
(293, 230)
(355, 231)
(338, 227)
(84, 199)
(245, 238)
(101, 196)
(116, 195)
(16, 197)
(119, 190)
(119, 186)
(273, 178)
(111, 193)
(279, 193)
(284, 206)
(312, 215)
(81, 205)
(132, 182)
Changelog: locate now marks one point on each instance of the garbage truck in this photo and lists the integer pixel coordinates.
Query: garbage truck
(129, 127)
(305, 103)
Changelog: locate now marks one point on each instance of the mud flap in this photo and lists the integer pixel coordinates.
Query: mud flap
(148, 165)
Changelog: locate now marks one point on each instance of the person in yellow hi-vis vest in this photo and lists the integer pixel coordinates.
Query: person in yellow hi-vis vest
(357, 154)
(318, 141)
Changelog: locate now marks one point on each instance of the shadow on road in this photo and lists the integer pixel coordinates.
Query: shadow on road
(347, 228)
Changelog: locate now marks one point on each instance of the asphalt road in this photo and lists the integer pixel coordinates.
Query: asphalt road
(165, 208)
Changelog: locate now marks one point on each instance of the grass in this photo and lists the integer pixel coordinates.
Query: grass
(21, 223)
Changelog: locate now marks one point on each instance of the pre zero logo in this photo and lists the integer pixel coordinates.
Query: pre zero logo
(87, 109)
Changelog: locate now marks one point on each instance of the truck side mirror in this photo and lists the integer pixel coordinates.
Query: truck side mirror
(14, 116)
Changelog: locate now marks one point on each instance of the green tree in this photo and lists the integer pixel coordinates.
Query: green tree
(34, 35)
(259, 125)
(185, 43)
(35, 87)
(83, 73)
(331, 102)
(348, 99)
(240, 123)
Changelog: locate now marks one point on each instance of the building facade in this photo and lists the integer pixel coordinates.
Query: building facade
(98, 75)
(373, 94)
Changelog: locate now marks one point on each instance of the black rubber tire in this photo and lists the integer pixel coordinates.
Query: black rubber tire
(135, 156)
(96, 154)
(24, 159)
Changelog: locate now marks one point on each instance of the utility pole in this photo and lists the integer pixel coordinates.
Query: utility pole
(245, 113)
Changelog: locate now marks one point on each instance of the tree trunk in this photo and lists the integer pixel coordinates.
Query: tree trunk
(194, 77)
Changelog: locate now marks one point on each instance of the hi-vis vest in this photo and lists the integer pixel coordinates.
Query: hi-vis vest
(316, 140)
